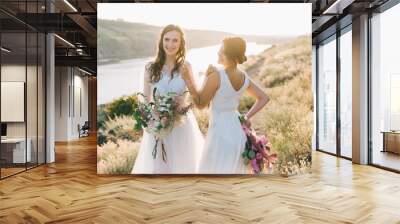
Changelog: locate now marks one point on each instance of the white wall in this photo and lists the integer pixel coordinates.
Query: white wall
(12, 101)
(70, 83)
(33, 126)
(80, 118)
(12, 73)
(61, 103)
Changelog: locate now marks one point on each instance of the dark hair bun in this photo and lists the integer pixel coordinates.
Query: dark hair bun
(235, 49)
(242, 59)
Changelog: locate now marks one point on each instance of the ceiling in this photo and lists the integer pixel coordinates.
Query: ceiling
(330, 15)
(76, 22)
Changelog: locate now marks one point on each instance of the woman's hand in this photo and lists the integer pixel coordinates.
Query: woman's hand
(244, 120)
(247, 122)
(211, 69)
(186, 72)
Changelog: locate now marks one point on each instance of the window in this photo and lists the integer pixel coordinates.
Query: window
(327, 96)
(346, 93)
(385, 89)
(22, 76)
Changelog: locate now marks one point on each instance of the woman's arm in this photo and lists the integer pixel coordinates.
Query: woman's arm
(203, 96)
(261, 99)
(147, 83)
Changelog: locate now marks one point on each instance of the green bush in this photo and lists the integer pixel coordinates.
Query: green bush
(115, 120)
(122, 106)
(101, 116)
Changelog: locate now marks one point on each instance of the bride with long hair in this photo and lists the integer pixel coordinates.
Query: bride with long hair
(184, 143)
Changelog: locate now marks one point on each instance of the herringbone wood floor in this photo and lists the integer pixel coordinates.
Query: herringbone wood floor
(69, 191)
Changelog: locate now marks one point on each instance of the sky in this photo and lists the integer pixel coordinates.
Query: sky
(237, 18)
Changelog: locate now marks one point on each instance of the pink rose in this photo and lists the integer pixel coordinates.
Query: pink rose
(255, 166)
(262, 140)
(246, 130)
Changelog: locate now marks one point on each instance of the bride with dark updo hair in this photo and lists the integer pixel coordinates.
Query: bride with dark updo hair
(222, 89)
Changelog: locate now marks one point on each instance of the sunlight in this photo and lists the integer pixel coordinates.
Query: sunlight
(249, 19)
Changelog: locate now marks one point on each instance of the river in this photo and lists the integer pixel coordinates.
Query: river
(126, 77)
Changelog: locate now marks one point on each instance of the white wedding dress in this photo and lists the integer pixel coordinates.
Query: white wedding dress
(225, 140)
(183, 145)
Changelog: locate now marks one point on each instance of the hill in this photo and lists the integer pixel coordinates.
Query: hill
(118, 40)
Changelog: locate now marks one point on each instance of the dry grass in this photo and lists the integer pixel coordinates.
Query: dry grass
(287, 120)
(285, 73)
(202, 117)
(121, 128)
(116, 158)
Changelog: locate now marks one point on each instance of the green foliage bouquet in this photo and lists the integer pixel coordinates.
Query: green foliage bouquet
(161, 115)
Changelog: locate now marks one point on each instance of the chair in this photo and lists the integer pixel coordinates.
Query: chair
(84, 130)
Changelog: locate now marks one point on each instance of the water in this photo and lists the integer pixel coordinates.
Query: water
(126, 77)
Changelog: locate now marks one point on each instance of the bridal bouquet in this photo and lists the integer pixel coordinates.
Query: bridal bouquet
(161, 115)
(257, 152)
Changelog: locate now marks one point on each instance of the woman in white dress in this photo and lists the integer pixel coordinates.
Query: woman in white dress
(222, 89)
(184, 143)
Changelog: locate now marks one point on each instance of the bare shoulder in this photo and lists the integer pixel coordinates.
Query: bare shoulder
(148, 65)
(147, 70)
(212, 81)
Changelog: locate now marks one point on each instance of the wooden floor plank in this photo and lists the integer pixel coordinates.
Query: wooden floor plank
(70, 191)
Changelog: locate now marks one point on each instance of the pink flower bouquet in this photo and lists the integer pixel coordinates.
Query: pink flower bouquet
(257, 153)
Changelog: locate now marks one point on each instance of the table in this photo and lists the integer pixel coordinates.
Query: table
(13, 150)
(391, 141)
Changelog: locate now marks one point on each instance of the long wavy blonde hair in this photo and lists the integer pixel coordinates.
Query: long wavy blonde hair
(156, 66)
